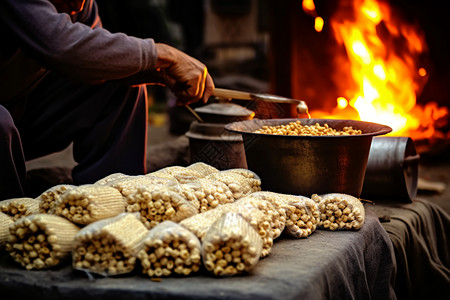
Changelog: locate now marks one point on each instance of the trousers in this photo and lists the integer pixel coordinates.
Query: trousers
(107, 124)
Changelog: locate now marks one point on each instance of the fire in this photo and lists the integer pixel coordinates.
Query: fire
(309, 7)
(383, 54)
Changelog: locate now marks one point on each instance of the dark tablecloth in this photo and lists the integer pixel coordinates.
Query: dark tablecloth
(326, 265)
(418, 231)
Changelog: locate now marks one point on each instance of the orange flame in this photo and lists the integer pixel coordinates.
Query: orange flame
(386, 77)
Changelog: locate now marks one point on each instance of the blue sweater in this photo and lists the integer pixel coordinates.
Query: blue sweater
(36, 39)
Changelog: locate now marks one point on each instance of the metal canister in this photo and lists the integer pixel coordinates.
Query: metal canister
(392, 170)
(210, 143)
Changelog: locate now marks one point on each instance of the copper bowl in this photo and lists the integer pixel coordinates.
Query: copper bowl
(304, 165)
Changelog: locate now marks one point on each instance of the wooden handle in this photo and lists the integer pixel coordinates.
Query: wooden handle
(231, 94)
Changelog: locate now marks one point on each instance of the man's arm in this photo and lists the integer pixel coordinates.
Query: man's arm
(73, 48)
(88, 52)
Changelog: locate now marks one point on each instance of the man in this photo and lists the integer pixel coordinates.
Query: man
(64, 79)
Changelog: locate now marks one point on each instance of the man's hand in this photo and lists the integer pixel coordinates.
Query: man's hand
(188, 78)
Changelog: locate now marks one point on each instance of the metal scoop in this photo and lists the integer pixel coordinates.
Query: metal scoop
(302, 108)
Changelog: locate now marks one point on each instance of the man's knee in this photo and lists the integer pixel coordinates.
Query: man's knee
(6, 123)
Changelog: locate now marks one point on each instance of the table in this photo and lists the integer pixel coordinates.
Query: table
(418, 232)
(326, 265)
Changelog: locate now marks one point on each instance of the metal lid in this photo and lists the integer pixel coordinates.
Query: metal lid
(212, 132)
(224, 113)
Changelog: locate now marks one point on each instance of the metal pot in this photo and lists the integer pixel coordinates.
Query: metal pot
(210, 143)
(304, 165)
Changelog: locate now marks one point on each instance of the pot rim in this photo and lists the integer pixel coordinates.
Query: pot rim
(240, 126)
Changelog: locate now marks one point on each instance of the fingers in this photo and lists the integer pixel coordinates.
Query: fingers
(187, 77)
(209, 87)
(198, 88)
(204, 87)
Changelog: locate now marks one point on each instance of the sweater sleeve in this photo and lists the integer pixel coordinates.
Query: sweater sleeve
(78, 48)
